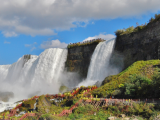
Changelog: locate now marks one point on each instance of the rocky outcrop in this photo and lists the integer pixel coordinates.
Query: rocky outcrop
(78, 58)
(141, 45)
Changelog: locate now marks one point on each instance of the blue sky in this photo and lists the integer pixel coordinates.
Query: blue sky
(31, 26)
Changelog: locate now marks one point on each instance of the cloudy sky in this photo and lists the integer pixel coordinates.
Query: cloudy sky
(31, 26)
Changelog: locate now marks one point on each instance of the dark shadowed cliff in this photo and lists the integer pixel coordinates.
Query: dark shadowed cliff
(141, 45)
(78, 58)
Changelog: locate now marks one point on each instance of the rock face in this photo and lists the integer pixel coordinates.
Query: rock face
(142, 45)
(78, 59)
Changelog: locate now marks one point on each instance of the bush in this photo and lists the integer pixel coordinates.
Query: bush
(136, 86)
(151, 20)
(95, 41)
(138, 28)
(119, 32)
(84, 109)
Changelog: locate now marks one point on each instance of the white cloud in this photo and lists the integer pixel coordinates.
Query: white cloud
(6, 42)
(42, 17)
(103, 36)
(53, 44)
(9, 34)
(31, 46)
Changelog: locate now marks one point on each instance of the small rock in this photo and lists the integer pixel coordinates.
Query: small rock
(111, 118)
(133, 116)
(122, 115)
(126, 118)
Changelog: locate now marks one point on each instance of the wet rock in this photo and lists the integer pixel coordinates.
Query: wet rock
(98, 83)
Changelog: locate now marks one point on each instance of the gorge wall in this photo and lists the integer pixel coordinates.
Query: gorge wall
(78, 58)
(141, 45)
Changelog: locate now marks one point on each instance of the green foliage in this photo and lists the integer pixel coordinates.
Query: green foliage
(156, 85)
(138, 28)
(75, 116)
(85, 43)
(45, 116)
(28, 105)
(151, 20)
(63, 89)
(136, 86)
(121, 85)
(142, 109)
(119, 32)
(116, 92)
(101, 114)
(137, 68)
(84, 109)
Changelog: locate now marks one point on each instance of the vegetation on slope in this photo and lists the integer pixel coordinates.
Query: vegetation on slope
(139, 80)
(138, 28)
(28, 105)
(94, 41)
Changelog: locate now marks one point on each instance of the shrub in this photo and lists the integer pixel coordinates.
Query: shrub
(136, 84)
(151, 20)
(129, 29)
(119, 32)
(138, 28)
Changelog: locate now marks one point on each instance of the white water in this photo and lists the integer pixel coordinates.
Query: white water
(6, 106)
(99, 64)
(99, 67)
(38, 75)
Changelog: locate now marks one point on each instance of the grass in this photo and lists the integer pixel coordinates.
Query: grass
(95, 41)
(139, 67)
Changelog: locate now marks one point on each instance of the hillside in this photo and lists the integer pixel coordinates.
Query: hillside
(142, 76)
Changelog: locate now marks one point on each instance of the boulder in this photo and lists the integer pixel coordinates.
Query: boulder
(98, 83)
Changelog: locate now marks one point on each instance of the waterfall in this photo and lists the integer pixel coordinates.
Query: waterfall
(32, 75)
(99, 64)
(6, 106)
(100, 67)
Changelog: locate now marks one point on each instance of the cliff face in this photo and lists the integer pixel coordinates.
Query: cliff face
(79, 57)
(142, 45)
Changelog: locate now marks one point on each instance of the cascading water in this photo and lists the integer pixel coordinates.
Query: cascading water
(34, 75)
(3, 71)
(100, 63)
(6, 106)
